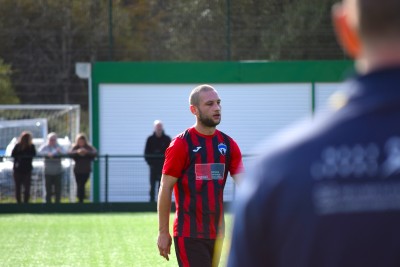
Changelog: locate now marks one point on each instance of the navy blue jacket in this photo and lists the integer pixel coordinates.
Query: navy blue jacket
(327, 192)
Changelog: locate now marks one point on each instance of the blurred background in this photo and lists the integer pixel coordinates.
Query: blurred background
(41, 40)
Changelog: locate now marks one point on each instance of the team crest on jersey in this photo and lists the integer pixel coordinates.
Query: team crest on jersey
(222, 149)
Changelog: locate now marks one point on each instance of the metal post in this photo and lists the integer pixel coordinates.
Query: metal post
(228, 29)
(106, 181)
(110, 31)
(312, 98)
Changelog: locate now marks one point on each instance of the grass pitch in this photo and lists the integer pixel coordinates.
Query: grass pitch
(104, 239)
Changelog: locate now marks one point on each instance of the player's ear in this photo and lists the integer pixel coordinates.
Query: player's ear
(193, 109)
(346, 35)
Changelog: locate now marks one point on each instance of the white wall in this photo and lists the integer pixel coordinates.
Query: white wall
(250, 113)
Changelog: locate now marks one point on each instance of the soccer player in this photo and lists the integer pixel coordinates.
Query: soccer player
(327, 193)
(196, 166)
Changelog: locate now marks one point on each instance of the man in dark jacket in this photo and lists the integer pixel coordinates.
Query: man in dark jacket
(326, 193)
(156, 145)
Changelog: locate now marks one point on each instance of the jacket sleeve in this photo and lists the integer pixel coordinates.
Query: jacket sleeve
(147, 151)
(92, 152)
(14, 152)
(43, 150)
(33, 151)
(73, 153)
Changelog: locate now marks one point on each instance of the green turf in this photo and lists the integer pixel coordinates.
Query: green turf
(109, 239)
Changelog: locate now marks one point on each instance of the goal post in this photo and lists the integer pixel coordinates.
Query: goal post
(62, 119)
(39, 120)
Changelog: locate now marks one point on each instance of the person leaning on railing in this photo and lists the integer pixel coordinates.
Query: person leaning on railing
(83, 154)
(23, 153)
(52, 166)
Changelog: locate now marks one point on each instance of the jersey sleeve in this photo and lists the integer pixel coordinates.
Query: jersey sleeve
(176, 157)
(236, 165)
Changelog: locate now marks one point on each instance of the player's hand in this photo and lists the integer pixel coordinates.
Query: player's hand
(164, 243)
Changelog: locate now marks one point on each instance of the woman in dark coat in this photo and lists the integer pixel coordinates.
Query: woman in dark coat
(83, 154)
(23, 153)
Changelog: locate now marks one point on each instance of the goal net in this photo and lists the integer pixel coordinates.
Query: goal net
(39, 120)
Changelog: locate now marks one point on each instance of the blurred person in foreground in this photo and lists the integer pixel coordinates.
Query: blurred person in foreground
(52, 151)
(154, 151)
(327, 193)
(196, 167)
(23, 154)
(83, 154)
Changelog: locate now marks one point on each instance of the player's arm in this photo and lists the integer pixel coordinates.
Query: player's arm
(164, 208)
(236, 167)
(237, 177)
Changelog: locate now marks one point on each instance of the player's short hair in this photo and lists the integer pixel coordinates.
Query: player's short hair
(379, 19)
(194, 98)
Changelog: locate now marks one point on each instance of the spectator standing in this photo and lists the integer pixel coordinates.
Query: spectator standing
(53, 152)
(23, 153)
(196, 167)
(83, 154)
(326, 193)
(154, 154)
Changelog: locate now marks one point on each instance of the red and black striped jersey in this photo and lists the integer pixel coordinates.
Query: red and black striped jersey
(201, 164)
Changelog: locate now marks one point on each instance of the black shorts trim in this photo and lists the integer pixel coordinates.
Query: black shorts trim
(196, 252)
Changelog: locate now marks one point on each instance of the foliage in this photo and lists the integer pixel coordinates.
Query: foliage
(43, 39)
(7, 93)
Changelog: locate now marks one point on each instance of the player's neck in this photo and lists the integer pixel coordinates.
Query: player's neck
(205, 130)
(379, 57)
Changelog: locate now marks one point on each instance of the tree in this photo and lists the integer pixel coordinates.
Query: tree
(249, 29)
(195, 30)
(43, 39)
(7, 93)
(283, 30)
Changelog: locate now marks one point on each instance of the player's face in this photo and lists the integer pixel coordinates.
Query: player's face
(209, 109)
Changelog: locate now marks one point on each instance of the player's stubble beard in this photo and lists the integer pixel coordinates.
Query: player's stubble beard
(208, 122)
